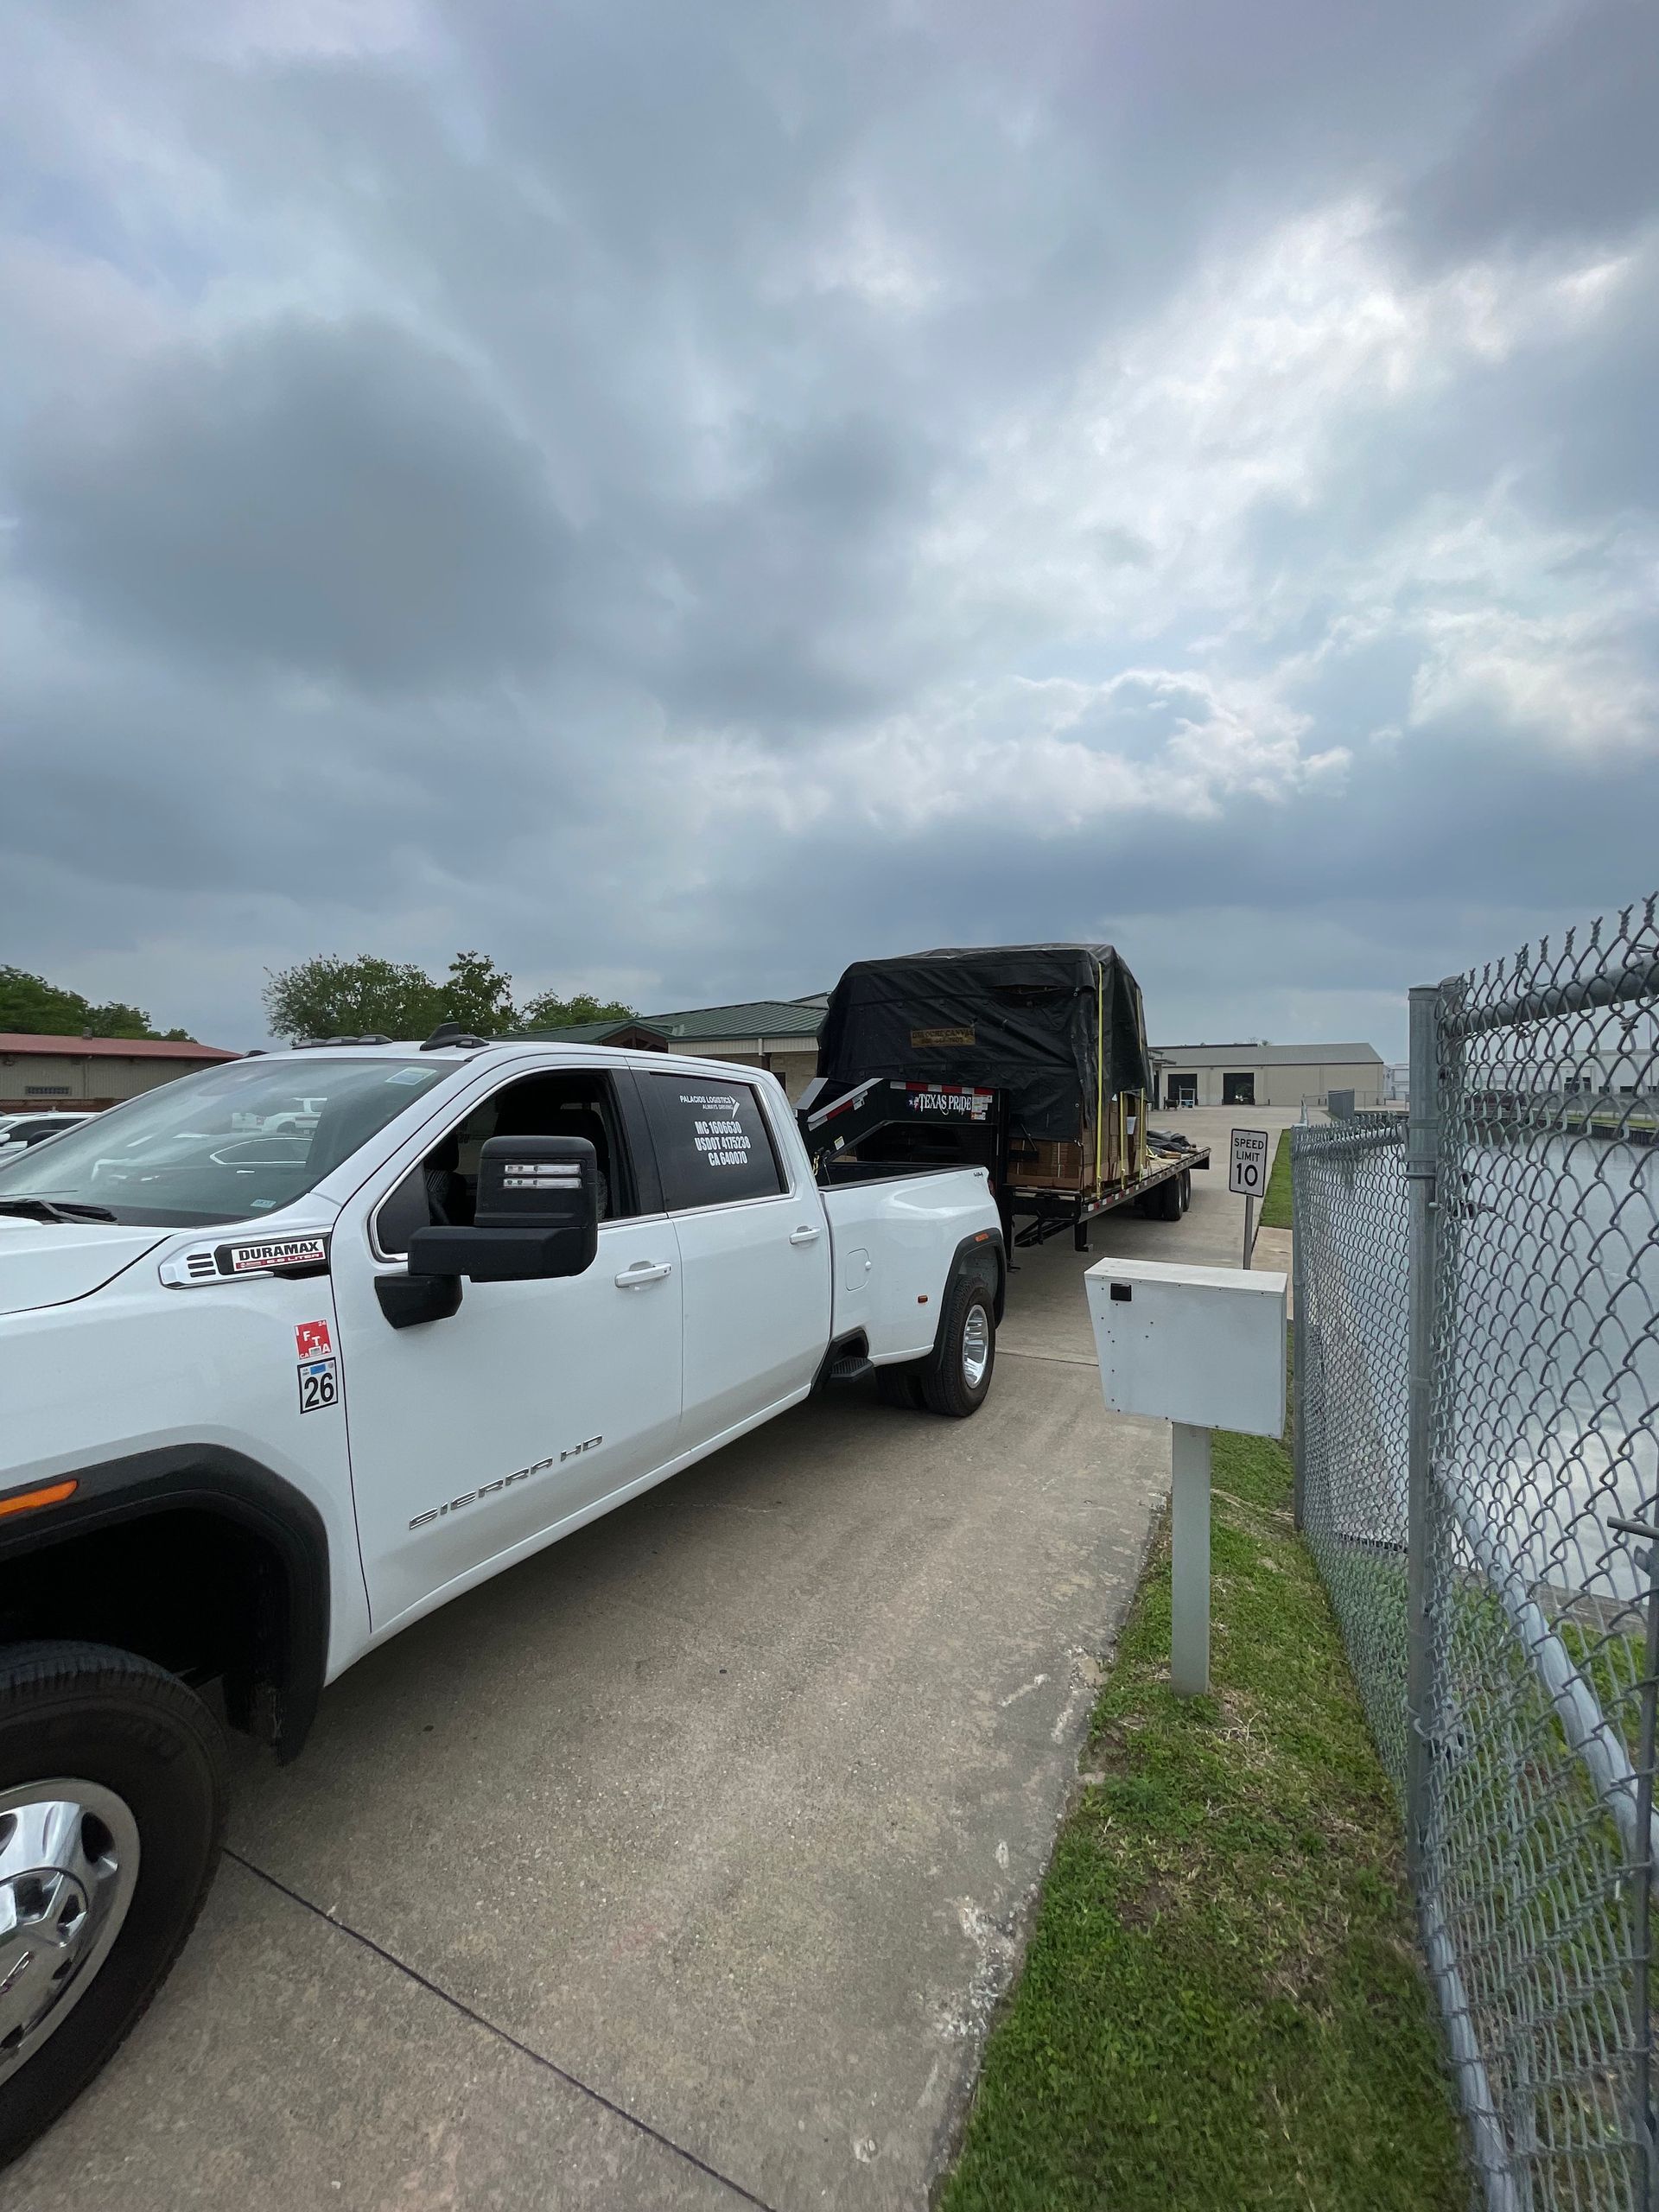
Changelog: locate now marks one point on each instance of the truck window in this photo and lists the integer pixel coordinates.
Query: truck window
(199, 1151)
(443, 1187)
(713, 1143)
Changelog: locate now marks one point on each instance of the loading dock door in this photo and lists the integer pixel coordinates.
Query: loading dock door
(1238, 1089)
(1183, 1090)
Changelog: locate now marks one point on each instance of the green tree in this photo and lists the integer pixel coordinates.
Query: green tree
(478, 994)
(331, 996)
(118, 1021)
(550, 1010)
(31, 1006)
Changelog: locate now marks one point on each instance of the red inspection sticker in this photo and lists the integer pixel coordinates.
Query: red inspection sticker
(310, 1338)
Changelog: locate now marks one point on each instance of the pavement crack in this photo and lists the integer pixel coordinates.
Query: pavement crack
(502, 2035)
(1053, 1358)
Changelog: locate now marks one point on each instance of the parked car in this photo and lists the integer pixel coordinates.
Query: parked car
(271, 1398)
(19, 1132)
(297, 1114)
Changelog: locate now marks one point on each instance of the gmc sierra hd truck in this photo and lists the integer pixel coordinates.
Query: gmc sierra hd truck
(273, 1385)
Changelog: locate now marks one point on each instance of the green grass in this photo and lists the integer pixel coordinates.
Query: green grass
(1222, 2004)
(1275, 1202)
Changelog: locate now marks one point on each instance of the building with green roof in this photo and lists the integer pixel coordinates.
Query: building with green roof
(781, 1034)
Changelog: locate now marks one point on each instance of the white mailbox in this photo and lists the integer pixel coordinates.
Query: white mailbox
(1201, 1348)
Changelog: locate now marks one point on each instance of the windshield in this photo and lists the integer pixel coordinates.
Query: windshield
(233, 1141)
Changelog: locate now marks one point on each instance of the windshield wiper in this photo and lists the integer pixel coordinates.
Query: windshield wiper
(53, 1210)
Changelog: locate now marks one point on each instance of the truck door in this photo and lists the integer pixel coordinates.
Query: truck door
(754, 1249)
(478, 1434)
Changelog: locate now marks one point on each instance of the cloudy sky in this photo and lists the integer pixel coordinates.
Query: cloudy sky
(684, 493)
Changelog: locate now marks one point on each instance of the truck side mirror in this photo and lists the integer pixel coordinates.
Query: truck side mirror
(536, 1216)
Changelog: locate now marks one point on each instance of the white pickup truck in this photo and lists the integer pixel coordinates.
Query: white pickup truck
(271, 1394)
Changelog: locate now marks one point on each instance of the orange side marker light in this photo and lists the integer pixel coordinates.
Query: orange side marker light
(50, 1494)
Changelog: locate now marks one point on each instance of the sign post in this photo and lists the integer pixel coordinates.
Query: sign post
(1248, 1175)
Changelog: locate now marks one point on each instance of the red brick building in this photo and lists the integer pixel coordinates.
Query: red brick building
(80, 1073)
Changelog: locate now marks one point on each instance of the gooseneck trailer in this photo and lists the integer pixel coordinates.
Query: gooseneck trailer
(1028, 1060)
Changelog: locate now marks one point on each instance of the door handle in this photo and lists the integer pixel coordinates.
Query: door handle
(644, 1271)
(804, 1235)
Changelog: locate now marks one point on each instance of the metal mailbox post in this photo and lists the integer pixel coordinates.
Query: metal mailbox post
(1201, 1348)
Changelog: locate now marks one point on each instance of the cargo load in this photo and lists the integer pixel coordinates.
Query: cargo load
(1056, 1029)
(1027, 1060)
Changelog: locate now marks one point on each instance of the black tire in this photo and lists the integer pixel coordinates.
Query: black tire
(900, 1387)
(1167, 1199)
(946, 1387)
(1185, 1179)
(85, 1713)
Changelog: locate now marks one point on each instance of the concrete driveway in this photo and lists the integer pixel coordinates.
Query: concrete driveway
(682, 1866)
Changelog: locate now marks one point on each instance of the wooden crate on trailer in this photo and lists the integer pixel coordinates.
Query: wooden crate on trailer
(1068, 1163)
(1049, 1163)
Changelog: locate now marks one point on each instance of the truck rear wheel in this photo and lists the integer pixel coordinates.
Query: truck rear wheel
(1167, 1199)
(112, 1803)
(956, 1375)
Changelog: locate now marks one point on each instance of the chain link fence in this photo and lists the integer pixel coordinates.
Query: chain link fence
(1476, 1319)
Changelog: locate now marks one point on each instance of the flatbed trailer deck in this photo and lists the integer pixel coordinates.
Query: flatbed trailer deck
(1051, 1212)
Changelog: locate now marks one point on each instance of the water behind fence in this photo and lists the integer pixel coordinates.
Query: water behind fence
(1478, 1463)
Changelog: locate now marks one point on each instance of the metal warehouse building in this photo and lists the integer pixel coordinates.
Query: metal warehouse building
(781, 1034)
(1268, 1075)
(37, 1073)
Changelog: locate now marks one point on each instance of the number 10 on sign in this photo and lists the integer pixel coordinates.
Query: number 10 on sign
(1248, 1175)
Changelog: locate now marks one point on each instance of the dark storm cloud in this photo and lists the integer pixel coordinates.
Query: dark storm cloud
(795, 588)
(624, 484)
(1436, 854)
(1566, 145)
(325, 497)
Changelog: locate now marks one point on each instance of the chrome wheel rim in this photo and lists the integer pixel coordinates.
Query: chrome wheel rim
(68, 1868)
(976, 1346)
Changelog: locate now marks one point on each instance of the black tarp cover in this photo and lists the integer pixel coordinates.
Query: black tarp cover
(1019, 1018)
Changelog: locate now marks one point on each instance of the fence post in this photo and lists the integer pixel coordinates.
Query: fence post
(1298, 1351)
(1423, 1146)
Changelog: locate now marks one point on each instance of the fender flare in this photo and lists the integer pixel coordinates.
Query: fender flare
(983, 1253)
(210, 1479)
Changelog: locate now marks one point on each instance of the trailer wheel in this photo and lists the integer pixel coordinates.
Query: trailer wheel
(955, 1376)
(1187, 1188)
(111, 1802)
(1167, 1199)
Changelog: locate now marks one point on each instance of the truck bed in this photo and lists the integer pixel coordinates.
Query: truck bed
(843, 1167)
(886, 1225)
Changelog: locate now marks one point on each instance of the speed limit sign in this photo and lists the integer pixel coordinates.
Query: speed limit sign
(1248, 1173)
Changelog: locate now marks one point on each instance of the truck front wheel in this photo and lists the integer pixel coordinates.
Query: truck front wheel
(111, 1802)
(956, 1375)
